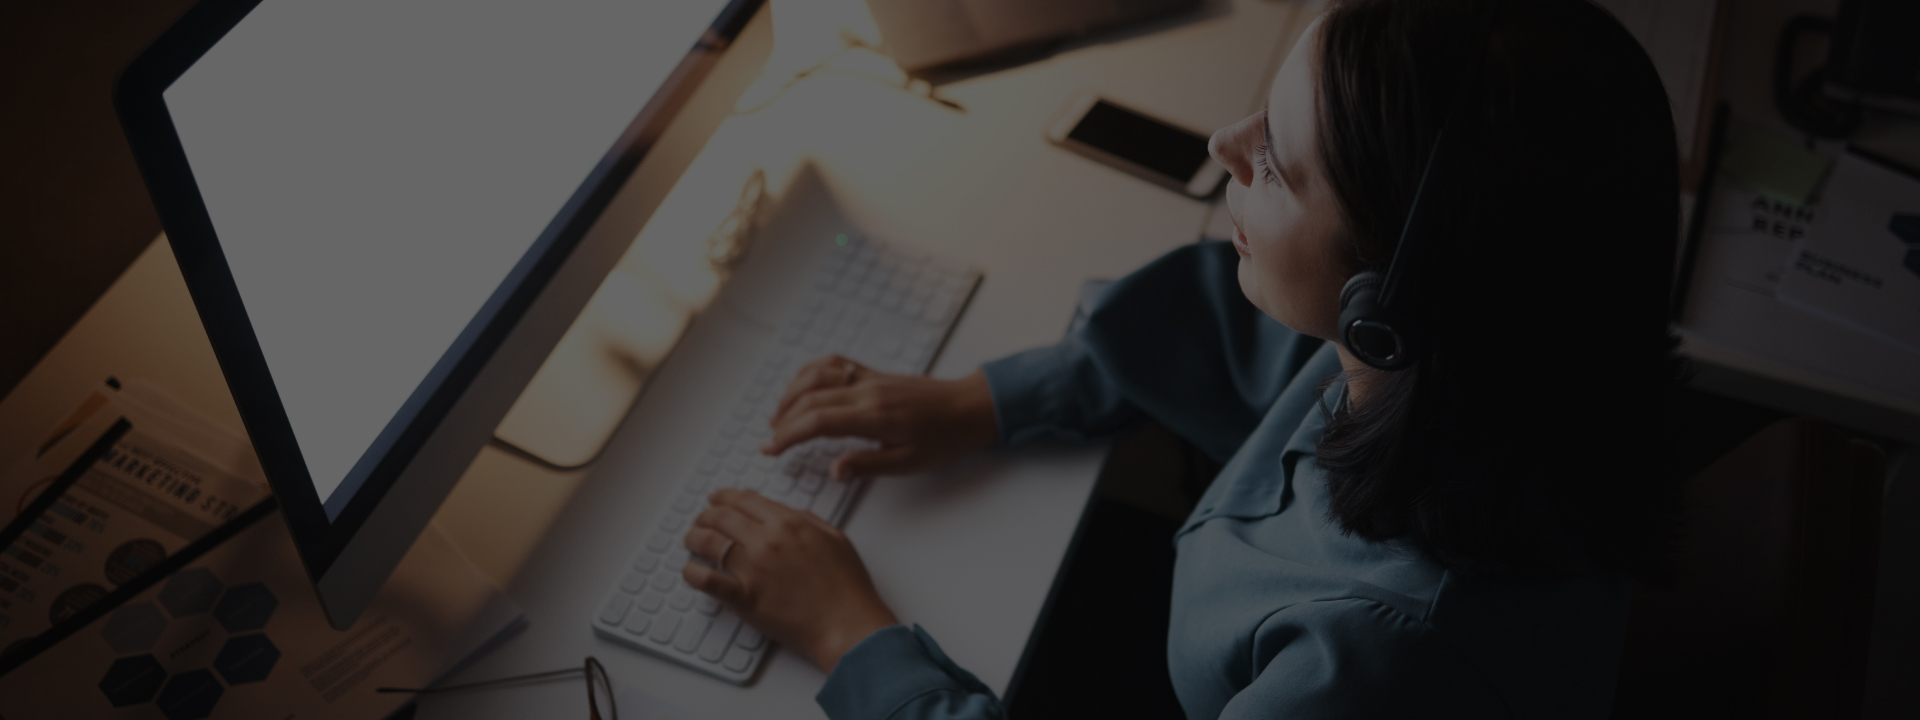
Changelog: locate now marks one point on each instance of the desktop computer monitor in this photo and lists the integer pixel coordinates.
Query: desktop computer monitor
(379, 210)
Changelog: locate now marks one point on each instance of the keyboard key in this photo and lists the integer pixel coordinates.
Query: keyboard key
(823, 463)
(749, 638)
(810, 483)
(738, 659)
(665, 581)
(646, 562)
(673, 522)
(706, 604)
(684, 504)
(651, 601)
(831, 495)
(738, 464)
(780, 485)
(660, 542)
(719, 637)
(681, 600)
(632, 582)
(616, 608)
(692, 630)
(707, 465)
(664, 627)
(677, 559)
(720, 447)
(637, 624)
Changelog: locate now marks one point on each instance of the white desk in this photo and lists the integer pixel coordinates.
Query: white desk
(969, 551)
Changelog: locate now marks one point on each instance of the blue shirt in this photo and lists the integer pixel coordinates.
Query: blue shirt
(1276, 612)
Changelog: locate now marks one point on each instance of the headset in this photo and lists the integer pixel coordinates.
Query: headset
(1372, 325)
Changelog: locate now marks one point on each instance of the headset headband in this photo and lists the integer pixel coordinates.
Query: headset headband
(1370, 327)
(1415, 236)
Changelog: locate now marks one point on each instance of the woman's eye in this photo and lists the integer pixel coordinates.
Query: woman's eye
(1266, 171)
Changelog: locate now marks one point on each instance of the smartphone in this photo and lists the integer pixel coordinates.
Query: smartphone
(1138, 144)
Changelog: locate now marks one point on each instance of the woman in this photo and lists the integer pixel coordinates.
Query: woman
(1453, 539)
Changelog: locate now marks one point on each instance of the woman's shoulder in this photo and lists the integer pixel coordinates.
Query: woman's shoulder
(1359, 656)
(1486, 646)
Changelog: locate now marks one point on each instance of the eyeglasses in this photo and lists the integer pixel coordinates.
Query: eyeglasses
(596, 678)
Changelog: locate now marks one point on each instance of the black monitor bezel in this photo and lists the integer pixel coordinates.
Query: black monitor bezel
(138, 99)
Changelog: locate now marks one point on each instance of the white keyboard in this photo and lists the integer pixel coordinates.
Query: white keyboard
(887, 307)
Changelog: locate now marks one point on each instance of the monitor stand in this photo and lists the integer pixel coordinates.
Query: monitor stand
(587, 386)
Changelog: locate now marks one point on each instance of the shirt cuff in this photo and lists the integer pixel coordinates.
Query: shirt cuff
(886, 670)
(1025, 403)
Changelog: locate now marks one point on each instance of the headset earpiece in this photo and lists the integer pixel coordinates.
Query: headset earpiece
(1368, 329)
(1365, 281)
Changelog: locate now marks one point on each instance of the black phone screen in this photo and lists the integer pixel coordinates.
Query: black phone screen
(1158, 147)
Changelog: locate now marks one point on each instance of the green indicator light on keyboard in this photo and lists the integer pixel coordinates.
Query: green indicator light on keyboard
(840, 239)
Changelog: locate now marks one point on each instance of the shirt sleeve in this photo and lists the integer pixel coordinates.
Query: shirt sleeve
(900, 673)
(1175, 341)
(1357, 658)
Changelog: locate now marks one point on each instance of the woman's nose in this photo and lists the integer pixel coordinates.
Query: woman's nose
(1228, 147)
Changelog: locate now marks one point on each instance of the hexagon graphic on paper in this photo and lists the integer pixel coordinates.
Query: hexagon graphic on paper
(73, 600)
(245, 659)
(189, 695)
(133, 680)
(245, 607)
(132, 558)
(133, 628)
(190, 592)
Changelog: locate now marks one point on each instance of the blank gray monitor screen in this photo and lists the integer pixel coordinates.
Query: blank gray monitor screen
(374, 169)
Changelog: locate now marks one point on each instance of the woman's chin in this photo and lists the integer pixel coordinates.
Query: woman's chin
(1248, 275)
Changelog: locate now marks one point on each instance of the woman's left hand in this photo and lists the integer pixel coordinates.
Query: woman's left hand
(787, 573)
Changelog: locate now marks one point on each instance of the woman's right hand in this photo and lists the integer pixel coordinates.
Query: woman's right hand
(918, 421)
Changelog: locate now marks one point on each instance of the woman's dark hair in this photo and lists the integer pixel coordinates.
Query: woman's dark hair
(1532, 438)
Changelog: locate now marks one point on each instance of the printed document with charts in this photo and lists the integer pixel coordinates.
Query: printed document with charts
(236, 634)
(1860, 264)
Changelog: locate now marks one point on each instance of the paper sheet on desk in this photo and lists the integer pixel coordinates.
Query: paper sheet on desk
(238, 634)
(1749, 236)
(1853, 267)
(145, 499)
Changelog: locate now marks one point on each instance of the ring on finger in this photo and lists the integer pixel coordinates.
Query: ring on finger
(847, 378)
(722, 561)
